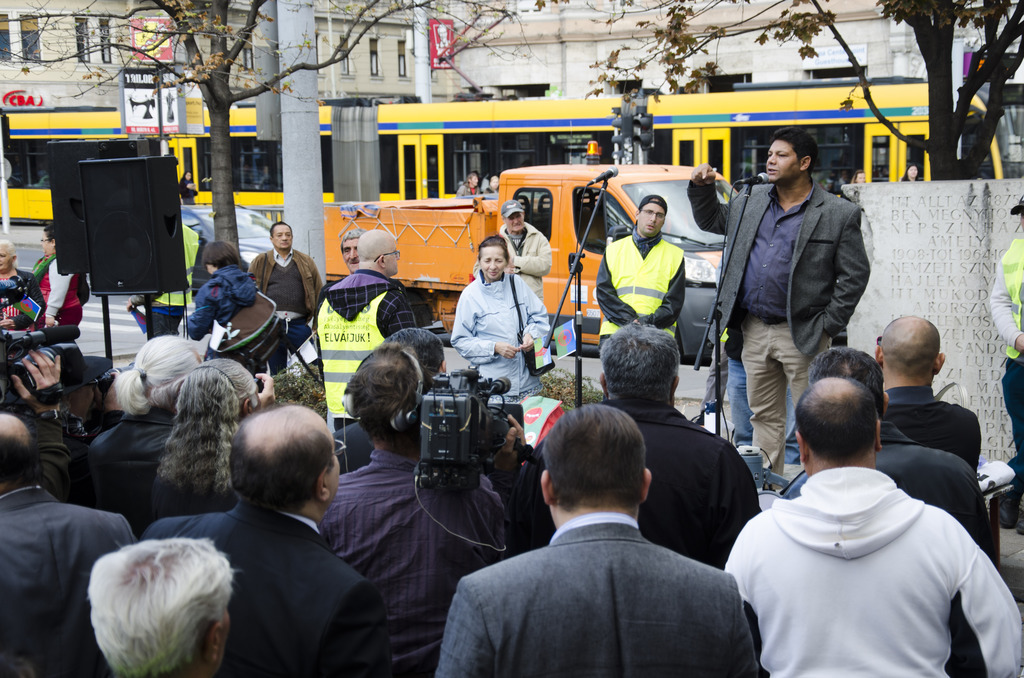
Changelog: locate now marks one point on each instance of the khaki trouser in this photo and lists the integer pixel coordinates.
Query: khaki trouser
(772, 362)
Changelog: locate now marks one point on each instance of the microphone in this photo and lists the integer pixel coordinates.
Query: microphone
(500, 385)
(59, 334)
(761, 178)
(605, 176)
(13, 289)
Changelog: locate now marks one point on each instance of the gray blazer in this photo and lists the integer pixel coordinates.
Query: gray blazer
(47, 550)
(830, 268)
(600, 601)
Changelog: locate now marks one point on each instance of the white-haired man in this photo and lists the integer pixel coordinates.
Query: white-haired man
(160, 608)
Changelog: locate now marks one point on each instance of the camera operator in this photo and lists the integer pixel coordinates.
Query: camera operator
(54, 456)
(413, 544)
(88, 409)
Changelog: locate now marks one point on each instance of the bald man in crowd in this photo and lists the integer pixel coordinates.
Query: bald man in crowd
(297, 609)
(910, 358)
(357, 314)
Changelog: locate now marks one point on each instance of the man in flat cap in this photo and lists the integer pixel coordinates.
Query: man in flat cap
(641, 279)
(1005, 306)
(531, 251)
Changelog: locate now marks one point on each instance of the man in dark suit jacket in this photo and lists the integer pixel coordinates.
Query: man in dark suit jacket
(702, 493)
(910, 358)
(47, 550)
(298, 609)
(797, 271)
(600, 600)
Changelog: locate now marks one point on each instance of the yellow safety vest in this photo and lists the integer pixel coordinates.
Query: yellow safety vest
(1013, 274)
(343, 345)
(641, 283)
(191, 241)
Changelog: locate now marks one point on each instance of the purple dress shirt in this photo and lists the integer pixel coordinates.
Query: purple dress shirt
(765, 289)
(377, 526)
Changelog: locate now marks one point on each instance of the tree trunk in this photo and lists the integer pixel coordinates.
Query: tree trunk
(223, 195)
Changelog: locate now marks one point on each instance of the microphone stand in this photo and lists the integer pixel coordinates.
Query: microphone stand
(576, 272)
(714, 318)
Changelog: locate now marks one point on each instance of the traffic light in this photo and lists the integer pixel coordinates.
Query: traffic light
(644, 122)
(623, 122)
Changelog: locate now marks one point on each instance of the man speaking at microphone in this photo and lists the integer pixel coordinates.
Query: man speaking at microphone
(797, 270)
(642, 278)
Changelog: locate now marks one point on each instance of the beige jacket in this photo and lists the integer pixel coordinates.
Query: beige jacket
(535, 261)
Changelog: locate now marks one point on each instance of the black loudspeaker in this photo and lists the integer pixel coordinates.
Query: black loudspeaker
(66, 193)
(133, 221)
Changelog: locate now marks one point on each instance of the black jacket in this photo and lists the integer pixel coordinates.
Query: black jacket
(297, 609)
(938, 479)
(701, 496)
(944, 426)
(123, 462)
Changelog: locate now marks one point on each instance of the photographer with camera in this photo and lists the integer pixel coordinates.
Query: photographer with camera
(43, 401)
(413, 544)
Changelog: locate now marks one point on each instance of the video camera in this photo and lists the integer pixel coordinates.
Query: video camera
(460, 431)
(52, 342)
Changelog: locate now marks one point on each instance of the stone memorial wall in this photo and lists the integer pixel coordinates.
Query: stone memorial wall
(934, 249)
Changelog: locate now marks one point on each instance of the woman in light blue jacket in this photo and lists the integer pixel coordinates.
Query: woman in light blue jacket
(487, 326)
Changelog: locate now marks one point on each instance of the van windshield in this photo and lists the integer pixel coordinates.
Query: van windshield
(679, 225)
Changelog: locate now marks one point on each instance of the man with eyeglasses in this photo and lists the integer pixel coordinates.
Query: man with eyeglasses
(357, 314)
(642, 278)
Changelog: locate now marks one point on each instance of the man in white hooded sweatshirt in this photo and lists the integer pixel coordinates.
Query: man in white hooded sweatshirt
(885, 585)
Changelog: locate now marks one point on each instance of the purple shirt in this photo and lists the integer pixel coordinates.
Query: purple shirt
(377, 526)
(765, 290)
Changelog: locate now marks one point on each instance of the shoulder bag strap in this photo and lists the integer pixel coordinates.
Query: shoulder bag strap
(515, 298)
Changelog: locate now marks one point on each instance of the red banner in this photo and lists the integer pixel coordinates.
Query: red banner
(442, 40)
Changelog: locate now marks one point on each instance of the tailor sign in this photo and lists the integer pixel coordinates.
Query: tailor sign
(19, 98)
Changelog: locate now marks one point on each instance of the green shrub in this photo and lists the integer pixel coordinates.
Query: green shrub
(297, 387)
(559, 384)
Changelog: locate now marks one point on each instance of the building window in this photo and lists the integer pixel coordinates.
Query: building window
(374, 59)
(82, 39)
(5, 38)
(30, 39)
(402, 73)
(343, 64)
(105, 41)
(247, 60)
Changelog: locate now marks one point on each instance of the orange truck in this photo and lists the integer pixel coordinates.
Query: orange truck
(438, 238)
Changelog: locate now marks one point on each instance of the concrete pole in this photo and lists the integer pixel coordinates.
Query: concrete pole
(421, 47)
(300, 132)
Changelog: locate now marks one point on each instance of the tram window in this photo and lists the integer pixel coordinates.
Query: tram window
(686, 157)
(326, 165)
(388, 164)
(36, 174)
(409, 185)
(661, 154)
(716, 153)
(464, 153)
(538, 205)
(517, 150)
(880, 159)
(916, 155)
(433, 175)
(259, 164)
